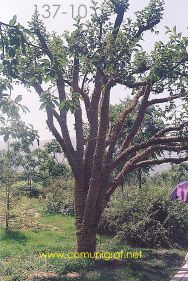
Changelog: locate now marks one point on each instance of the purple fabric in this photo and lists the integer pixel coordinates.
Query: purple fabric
(180, 192)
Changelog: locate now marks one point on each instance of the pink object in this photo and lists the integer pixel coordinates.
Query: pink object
(180, 192)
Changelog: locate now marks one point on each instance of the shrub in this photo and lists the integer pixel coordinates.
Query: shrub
(59, 196)
(29, 191)
(146, 218)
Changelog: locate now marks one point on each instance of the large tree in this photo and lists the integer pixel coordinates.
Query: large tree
(78, 71)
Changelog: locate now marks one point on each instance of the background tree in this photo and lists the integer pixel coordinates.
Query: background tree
(176, 174)
(43, 164)
(8, 165)
(78, 71)
(12, 129)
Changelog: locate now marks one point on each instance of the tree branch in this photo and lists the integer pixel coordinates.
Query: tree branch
(139, 118)
(120, 10)
(44, 44)
(161, 161)
(50, 113)
(146, 27)
(132, 164)
(162, 100)
(171, 128)
(63, 113)
(147, 152)
(138, 147)
(112, 140)
(78, 116)
(94, 185)
(84, 96)
(93, 128)
(22, 35)
(58, 137)
(61, 90)
(134, 85)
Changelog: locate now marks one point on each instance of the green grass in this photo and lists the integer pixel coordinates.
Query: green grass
(19, 252)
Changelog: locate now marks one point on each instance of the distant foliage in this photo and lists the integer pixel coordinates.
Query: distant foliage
(176, 174)
(147, 218)
(43, 164)
(34, 191)
(59, 197)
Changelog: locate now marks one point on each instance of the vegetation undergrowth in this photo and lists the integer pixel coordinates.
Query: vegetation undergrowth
(19, 253)
(147, 217)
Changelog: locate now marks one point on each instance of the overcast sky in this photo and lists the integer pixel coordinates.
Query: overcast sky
(175, 14)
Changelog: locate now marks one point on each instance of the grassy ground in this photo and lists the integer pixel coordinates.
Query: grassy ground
(56, 233)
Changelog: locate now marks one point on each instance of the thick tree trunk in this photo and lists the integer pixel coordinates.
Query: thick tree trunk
(86, 234)
(86, 230)
(86, 239)
(87, 225)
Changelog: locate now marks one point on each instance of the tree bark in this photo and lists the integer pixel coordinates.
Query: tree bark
(7, 216)
(86, 230)
(86, 239)
(86, 234)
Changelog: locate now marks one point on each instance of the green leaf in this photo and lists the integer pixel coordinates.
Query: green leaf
(174, 29)
(15, 41)
(27, 31)
(43, 106)
(2, 120)
(12, 52)
(52, 73)
(46, 61)
(13, 20)
(167, 28)
(6, 137)
(24, 108)
(62, 105)
(18, 98)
